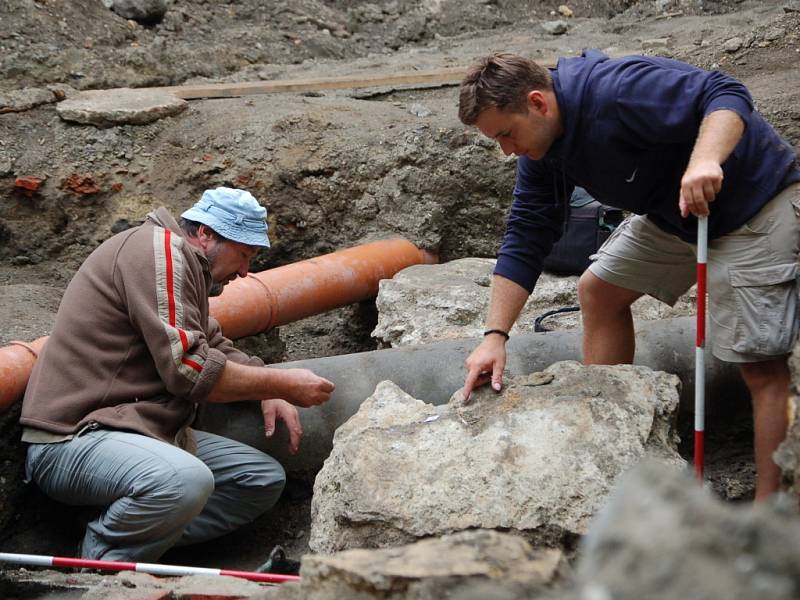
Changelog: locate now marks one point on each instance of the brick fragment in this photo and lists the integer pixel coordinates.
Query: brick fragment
(29, 183)
(81, 184)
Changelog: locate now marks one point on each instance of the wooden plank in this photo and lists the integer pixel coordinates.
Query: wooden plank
(445, 76)
(230, 90)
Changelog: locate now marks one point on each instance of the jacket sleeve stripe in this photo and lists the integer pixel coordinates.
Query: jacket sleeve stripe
(169, 280)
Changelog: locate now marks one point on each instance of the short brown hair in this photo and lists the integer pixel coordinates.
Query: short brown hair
(190, 228)
(501, 81)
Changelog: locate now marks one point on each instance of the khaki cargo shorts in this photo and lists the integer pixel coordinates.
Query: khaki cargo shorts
(752, 276)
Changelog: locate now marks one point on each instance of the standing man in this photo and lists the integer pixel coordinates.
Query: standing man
(108, 408)
(661, 139)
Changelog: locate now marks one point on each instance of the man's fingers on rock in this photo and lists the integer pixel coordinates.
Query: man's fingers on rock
(471, 382)
(497, 377)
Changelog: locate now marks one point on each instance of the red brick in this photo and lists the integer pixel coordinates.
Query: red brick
(30, 183)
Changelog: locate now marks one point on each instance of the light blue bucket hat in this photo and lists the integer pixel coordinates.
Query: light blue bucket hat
(234, 214)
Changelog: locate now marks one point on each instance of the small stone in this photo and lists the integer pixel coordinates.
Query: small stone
(774, 33)
(62, 91)
(538, 378)
(565, 11)
(653, 43)
(419, 110)
(733, 45)
(146, 12)
(555, 27)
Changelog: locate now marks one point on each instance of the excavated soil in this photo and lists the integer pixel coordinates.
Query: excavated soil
(334, 168)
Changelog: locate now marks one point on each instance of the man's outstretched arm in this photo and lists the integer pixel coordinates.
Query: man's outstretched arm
(300, 387)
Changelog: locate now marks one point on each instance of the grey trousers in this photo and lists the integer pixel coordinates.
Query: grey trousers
(154, 495)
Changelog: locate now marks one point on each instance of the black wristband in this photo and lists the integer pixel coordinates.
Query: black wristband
(497, 331)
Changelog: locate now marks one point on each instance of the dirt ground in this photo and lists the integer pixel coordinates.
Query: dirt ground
(334, 168)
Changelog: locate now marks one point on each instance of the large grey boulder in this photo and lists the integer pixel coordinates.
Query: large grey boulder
(479, 565)
(662, 536)
(428, 303)
(538, 458)
(107, 108)
(142, 11)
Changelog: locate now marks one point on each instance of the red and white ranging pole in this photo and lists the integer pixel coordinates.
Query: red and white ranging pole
(700, 346)
(152, 569)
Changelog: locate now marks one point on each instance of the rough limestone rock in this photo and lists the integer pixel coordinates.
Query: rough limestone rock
(428, 303)
(22, 100)
(538, 458)
(107, 108)
(475, 565)
(142, 11)
(663, 537)
(787, 457)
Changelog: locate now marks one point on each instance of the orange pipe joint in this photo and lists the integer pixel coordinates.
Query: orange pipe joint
(16, 363)
(285, 294)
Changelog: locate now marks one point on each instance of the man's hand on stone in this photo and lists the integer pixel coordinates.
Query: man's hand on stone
(485, 364)
(275, 410)
(700, 184)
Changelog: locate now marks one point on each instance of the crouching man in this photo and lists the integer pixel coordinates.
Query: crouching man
(109, 404)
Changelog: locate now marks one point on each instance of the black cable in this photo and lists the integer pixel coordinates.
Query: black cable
(537, 323)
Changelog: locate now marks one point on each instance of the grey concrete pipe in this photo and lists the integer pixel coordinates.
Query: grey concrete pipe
(433, 372)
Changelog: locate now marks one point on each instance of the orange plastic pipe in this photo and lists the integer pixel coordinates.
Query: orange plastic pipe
(265, 300)
(16, 363)
(285, 294)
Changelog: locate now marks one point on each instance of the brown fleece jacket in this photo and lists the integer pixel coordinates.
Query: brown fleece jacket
(133, 347)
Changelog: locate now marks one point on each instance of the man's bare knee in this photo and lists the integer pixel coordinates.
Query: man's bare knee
(594, 294)
(761, 376)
